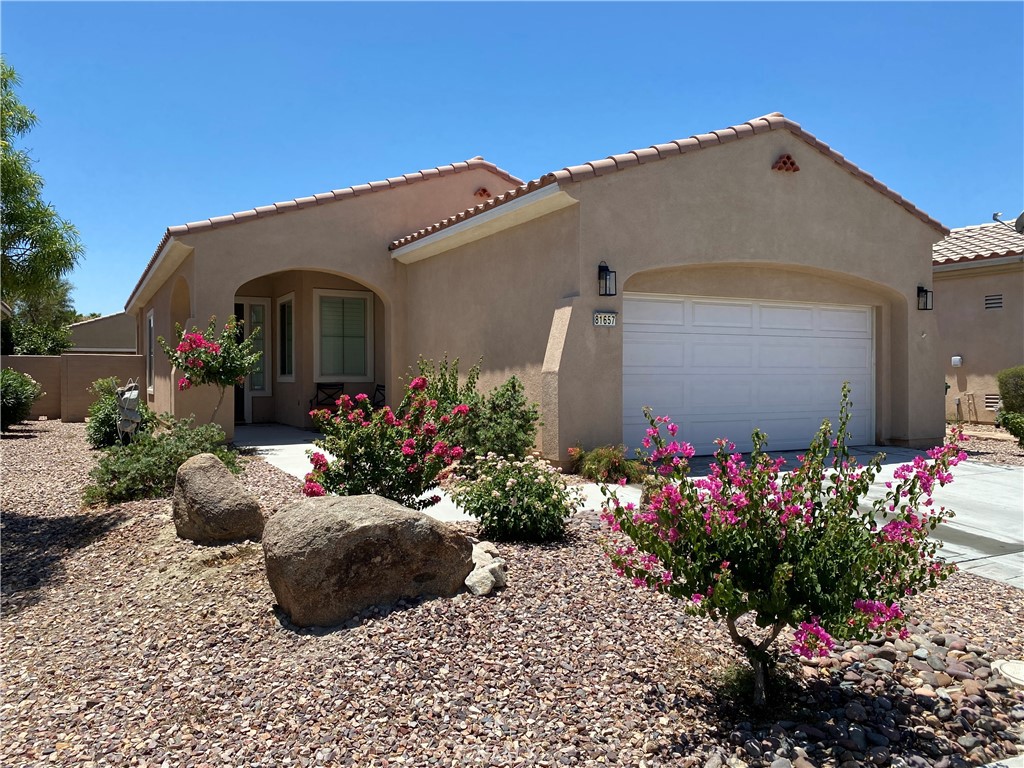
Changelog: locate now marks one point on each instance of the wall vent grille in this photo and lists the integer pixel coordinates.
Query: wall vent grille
(991, 402)
(995, 301)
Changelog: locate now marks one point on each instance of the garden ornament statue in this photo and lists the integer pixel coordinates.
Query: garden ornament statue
(128, 416)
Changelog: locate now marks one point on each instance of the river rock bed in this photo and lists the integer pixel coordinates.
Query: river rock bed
(123, 645)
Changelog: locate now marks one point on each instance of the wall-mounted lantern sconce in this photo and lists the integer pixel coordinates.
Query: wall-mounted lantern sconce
(605, 280)
(924, 298)
(957, 361)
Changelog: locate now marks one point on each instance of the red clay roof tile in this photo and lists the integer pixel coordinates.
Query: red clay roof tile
(977, 243)
(764, 124)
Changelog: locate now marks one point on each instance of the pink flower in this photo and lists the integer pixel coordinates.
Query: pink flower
(456, 452)
(811, 640)
(362, 397)
(313, 489)
(184, 383)
(460, 410)
(418, 383)
(319, 461)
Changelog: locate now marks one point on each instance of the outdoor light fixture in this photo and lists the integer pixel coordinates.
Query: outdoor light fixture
(924, 298)
(605, 280)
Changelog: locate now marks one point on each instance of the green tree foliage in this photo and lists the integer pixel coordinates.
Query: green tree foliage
(40, 322)
(37, 246)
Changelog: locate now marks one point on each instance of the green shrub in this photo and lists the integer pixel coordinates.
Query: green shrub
(101, 429)
(607, 464)
(145, 468)
(501, 422)
(1014, 424)
(18, 391)
(39, 339)
(1011, 389)
(516, 499)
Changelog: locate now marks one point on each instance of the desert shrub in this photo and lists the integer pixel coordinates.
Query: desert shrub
(39, 339)
(516, 499)
(792, 548)
(145, 468)
(607, 464)
(397, 455)
(101, 428)
(1014, 424)
(18, 391)
(1011, 388)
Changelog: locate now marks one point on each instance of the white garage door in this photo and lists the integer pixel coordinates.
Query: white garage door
(720, 368)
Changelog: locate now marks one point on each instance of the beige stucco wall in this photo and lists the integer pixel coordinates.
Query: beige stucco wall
(819, 235)
(988, 340)
(45, 369)
(112, 333)
(347, 239)
(78, 372)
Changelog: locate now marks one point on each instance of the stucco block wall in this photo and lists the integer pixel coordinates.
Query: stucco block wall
(78, 372)
(988, 340)
(45, 369)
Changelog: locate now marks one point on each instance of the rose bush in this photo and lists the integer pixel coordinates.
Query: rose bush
(793, 549)
(397, 455)
(202, 357)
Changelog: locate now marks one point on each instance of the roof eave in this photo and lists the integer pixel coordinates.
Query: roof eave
(170, 254)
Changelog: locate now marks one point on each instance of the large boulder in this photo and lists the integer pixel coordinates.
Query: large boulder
(210, 506)
(330, 557)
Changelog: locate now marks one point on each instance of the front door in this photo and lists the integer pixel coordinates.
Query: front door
(254, 314)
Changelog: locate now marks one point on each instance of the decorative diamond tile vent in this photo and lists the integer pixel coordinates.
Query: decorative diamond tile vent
(786, 163)
(482, 193)
(991, 402)
(995, 301)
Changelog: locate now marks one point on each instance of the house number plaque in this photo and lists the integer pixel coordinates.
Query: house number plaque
(605, 319)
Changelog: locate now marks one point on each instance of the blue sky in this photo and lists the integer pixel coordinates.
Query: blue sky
(154, 114)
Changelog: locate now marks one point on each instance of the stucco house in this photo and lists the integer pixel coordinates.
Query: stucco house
(979, 303)
(731, 279)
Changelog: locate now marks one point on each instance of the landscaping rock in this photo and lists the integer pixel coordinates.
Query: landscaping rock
(485, 579)
(210, 506)
(330, 557)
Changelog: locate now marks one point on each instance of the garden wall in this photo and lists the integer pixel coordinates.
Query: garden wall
(46, 370)
(66, 379)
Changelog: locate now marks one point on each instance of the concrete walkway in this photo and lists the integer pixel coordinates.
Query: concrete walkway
(986, 537)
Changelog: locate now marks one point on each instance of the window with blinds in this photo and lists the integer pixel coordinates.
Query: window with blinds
(344, 336)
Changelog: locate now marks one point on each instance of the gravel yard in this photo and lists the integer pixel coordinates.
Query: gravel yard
(122, 645)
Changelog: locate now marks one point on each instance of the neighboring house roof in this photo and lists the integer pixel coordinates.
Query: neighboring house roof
(772, 122)
(977, 243)
(345, 193)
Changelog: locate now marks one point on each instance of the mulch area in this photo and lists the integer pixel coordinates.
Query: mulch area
(122, 645)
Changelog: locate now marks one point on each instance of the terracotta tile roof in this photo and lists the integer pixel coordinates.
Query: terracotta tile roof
(982, 241)
(345, 193)
(773, 122)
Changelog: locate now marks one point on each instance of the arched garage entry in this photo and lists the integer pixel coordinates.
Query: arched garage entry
(745, 347)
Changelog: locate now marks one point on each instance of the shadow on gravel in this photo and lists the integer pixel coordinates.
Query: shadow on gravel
(19, 433)
(34, 547)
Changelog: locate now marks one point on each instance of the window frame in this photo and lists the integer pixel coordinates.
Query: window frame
(368, 297)
(151, 352)
(268, 352)
(288, 298)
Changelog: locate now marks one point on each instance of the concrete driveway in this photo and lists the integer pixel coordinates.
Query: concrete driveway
(986, 537)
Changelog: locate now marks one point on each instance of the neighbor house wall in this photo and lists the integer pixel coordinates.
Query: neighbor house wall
(112, 333)
(988, 340)
(45, 369)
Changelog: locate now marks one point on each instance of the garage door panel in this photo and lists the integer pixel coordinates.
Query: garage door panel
(786, 318)
(722, 355)
(736, 365)
(722, 315)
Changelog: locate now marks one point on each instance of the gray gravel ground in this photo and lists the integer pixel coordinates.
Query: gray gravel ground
(122, 645)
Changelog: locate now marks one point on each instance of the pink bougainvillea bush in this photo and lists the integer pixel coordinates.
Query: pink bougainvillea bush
(203, 357)
(791, 548)
(395, 454)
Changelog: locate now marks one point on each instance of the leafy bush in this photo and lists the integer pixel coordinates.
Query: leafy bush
(1014, 424)
(516, 499)
(39, 339)
(395, 455)
(18, 391)
(145, 468)
(794, 548)
(502, 422)
(1011, 388)
(101, 428)
(607, 464)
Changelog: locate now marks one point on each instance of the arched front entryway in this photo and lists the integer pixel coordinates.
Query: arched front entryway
(317, 332)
